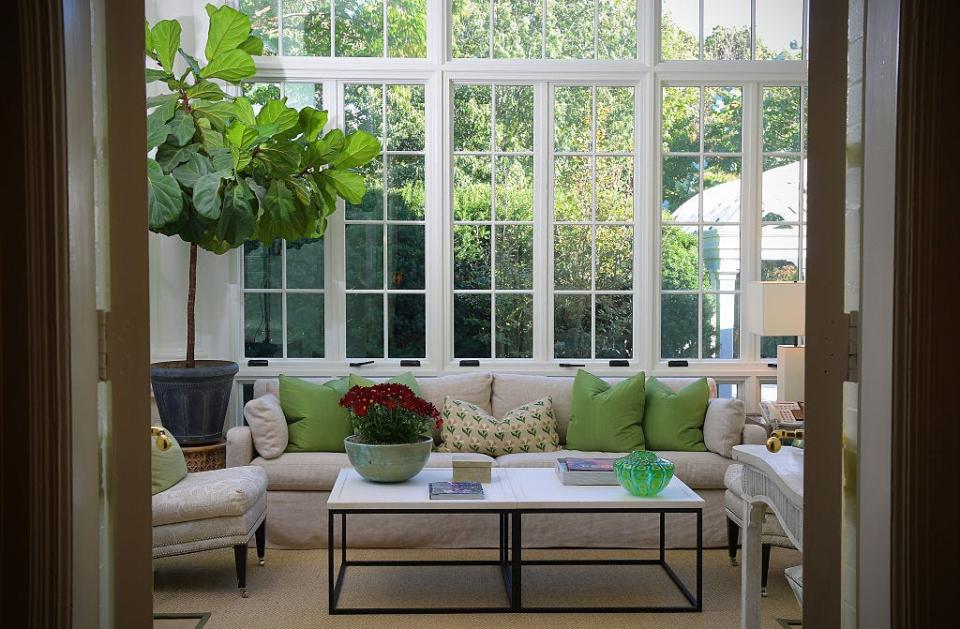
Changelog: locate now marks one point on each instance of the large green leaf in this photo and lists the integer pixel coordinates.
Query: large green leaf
(157, 75)
(325, 193)
(148, 40)
(253, 45)
(232, 66)
(164, 202)
(165, 37)
(237, 221)
(189, 171)
(244, 111)
(181, 128)
(220, 113)
(348, 184)
(206, 195)
(281, 158)
(312, 122)
(157, 129)
(163, 100)
(212, 140)
(169, 156)
(191, 62)
(205, 89)
(228, 29)
(241, 136)
(276, 112)
(222, 159)
(358, 148)
(282, 217)
(325, 149)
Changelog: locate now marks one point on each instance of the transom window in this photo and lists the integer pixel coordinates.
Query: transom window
(556, 186)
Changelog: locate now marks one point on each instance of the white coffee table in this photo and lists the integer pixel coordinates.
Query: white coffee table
(512, 493)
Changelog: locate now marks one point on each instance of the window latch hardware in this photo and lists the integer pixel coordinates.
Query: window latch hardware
(469, 363)
(572, 365)
(619, 362)
(409, 363)
(258, 362)
(677, 363)
(361, 364)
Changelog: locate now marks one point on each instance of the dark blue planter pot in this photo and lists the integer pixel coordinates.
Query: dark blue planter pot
(193, 402)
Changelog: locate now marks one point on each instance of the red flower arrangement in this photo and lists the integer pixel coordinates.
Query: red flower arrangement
(390, 413)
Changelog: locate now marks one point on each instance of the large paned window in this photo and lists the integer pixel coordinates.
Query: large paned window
(384, 233)
(701, 189)
(561, 182)
(783, 188)
(593, 221)
(339, 28)
(493, 221)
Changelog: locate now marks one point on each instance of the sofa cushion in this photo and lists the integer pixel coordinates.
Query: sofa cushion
(673, 420)
(317, 471)
(723, 425)
(513, 390)
(468, 428)
(214, 494)
(468, 387)
(268, 427)
(699, 470)
(604, 417)
(315, 420)
(406, 378)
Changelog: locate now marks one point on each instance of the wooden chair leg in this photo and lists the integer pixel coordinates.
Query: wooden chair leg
(733, 536)
(764, 568)
(240, 558)
(261, 535)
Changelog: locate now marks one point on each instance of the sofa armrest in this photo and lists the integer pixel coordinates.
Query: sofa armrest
(754, 434)
(239, 446)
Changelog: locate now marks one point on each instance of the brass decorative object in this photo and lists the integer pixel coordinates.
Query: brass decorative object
(163, 440)
(775, 442)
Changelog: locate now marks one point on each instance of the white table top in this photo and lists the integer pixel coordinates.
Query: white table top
(511, 488)
(540, 488)
(784, 467)
(351, 492)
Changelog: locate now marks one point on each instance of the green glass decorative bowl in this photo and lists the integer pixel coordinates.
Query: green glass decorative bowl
(643, 473)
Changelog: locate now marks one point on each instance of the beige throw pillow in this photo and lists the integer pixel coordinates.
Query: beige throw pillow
(268, 426)
(468, 428)
(723, 425)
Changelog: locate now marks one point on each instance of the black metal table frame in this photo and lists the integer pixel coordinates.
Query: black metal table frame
(510, 562)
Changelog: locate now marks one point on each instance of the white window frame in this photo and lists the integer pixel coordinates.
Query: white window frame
(438, 71)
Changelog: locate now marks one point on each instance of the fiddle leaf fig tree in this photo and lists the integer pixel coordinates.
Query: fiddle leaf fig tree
(221, 173)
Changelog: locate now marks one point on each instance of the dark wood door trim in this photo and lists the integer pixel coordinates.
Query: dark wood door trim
(926, 498)
(826, 323)
(34, 325)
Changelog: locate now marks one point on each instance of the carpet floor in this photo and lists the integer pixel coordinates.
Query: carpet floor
(290, 591)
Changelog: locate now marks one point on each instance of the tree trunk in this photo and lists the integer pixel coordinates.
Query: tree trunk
(191, 309)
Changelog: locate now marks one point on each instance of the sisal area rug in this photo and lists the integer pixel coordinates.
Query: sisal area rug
(290, 591)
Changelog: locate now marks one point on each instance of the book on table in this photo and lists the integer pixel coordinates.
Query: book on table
(455, 491)
(586, 471)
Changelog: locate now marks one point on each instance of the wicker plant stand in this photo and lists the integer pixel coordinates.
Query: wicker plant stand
(206, 458)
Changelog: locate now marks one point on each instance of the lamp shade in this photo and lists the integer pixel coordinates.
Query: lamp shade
(776, 308)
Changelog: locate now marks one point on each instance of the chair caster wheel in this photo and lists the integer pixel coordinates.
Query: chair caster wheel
(243, 593)
(261, 562)
(763, 592)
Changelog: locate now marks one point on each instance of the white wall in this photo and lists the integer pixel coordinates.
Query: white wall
(218, 291)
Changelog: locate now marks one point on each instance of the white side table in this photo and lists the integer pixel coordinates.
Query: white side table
(774, 481)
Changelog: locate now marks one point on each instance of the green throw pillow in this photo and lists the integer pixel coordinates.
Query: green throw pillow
(406, 378)
(168, 467)
(315, 420)
(606, 418)
(673, 420)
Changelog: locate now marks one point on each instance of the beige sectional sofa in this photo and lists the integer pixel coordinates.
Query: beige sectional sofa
(298, 484)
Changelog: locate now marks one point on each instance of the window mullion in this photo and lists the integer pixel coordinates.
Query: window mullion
(542, 220)
(750, 206)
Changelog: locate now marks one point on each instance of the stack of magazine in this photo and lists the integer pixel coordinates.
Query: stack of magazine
(575, 471)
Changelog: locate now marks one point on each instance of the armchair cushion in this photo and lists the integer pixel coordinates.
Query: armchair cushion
(723, 425)
(268, 428)
(214, 494)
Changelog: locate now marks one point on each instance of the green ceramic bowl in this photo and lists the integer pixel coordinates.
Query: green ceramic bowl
(643, 473)
(390, 462)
